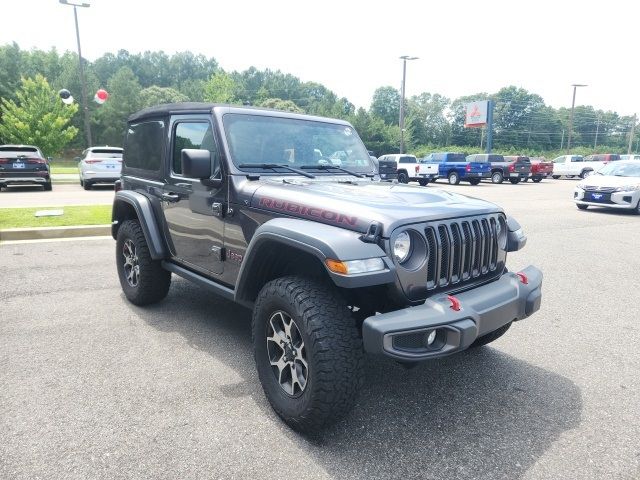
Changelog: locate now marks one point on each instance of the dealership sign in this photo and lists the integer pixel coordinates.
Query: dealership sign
(476, 114)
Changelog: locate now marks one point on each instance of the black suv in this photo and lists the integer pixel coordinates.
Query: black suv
(24, 165)
(247, 203)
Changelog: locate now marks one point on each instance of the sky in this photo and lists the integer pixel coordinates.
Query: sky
(352, 47)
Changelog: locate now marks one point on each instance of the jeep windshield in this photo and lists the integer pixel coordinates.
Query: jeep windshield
(256, 140)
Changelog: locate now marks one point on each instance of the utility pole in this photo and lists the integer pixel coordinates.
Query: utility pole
(489, 125)
(404, 59)
(633, 129)
(573, 104)
(481, 137)
(562, 141)
(595, 142)
(83, 86)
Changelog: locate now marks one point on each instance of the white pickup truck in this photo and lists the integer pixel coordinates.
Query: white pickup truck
(575, 166)
(411, 169)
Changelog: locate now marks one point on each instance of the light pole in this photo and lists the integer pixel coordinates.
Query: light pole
(83, 87)
(573, 103)
(404, 59)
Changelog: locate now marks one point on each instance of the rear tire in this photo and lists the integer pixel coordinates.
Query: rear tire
(143, 279)
(525, 180)
(497, 177)
(454, 178)
(555, 177)
(491, 336)
(514, 181)
(474, 181)
(536, 180)
(582, 207)
(403, 177)
(423, 182)
(325, 340)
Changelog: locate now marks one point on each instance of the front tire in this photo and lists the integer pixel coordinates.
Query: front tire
(514, 181)
(555, 177)
(582, 207)
(454, 178)
(143, 279)
(86, 185)
(303, 328)
(584, 174)
(47, 187)
(423, 182)
(536, 179)
(474, 181)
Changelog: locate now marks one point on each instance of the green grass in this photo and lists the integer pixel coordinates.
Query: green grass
(77, 215)
(56, 169)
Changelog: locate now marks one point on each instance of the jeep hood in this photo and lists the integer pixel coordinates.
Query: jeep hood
(355, 204)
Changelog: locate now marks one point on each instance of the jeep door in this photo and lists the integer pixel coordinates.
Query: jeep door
(193, 209)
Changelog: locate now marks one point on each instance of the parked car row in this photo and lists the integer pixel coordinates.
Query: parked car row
(579, 166)
(457, 167)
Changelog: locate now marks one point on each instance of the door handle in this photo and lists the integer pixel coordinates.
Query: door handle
(170, 197)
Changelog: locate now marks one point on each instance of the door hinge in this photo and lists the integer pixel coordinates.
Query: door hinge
(218, 253)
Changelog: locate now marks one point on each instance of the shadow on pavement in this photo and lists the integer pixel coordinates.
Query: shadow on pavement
(480, 414)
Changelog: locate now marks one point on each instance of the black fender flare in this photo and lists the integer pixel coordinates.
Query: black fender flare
(148, 222)
(323, 242)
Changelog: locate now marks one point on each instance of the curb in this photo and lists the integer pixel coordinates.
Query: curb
(12, 234)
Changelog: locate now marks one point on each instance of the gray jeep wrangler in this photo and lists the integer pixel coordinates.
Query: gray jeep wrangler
(285, 214)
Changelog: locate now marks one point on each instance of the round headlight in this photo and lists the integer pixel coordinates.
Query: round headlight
(402, 247)
(501, 234)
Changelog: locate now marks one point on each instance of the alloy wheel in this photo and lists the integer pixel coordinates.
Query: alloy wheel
(131, 266)
(287, 354)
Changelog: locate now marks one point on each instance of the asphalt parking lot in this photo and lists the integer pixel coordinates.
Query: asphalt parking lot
(94, 387)
(63, 194)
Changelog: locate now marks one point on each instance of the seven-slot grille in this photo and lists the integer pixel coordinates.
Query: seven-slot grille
(461, 251)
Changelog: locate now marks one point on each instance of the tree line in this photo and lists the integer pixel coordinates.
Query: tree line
(522, 120)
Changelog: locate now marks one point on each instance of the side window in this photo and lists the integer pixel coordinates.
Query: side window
(576, 159)
(198, 135)
(145, 145)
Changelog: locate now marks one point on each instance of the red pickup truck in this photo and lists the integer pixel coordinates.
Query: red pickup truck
(540, 169)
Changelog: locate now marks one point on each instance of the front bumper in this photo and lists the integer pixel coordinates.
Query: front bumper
(402, 334)
(619, 200)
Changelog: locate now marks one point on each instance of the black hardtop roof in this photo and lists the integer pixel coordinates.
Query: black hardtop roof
(203, 107)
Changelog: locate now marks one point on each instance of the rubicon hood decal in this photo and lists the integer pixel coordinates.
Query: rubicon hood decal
(308, 211)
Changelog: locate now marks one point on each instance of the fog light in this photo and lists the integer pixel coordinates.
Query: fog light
(431, 337)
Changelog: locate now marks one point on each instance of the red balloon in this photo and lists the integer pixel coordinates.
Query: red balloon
(102, 94)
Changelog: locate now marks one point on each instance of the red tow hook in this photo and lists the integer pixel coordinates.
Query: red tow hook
(523, 278)
(455, 303)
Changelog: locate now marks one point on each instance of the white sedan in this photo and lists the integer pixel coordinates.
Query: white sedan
(617, 185)
(100, 165)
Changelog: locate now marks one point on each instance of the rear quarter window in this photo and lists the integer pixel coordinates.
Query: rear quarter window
(144, 146)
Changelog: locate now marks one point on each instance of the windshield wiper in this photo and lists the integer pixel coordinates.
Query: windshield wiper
(333, 167)
(273, 166)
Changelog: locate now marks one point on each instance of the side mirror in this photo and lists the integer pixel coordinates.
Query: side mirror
(77, 159)
(196, 163)
(49, 159)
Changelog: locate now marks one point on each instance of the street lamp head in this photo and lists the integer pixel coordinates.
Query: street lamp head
(407, 57)
(75, 3)
(579, 85)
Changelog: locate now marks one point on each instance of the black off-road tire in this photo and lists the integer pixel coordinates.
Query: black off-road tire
(582, 207)
(153, 281)
(474, 181)
(403, 177)
(332, 345)
(491, 336)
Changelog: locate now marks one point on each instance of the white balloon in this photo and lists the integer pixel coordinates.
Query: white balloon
(68, 100)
